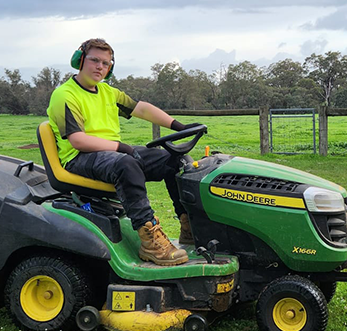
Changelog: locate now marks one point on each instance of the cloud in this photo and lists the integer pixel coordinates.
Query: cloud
(82, 8)
(265, 62)
(310, 46)
(212, 62)
(199, 34)
(334, 21)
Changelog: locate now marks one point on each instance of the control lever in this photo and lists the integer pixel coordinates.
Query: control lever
(209, 253)
(212, 247)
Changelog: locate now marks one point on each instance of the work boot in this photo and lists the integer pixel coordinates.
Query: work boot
(156, 246)
(186, 236)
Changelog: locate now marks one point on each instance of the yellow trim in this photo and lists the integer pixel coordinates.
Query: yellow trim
(42, 298)
(144, 321)
(62, 175)
(256, 198)
(289, 314)
(225, 287)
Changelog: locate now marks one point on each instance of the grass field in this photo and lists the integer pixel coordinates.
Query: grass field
(230, 135)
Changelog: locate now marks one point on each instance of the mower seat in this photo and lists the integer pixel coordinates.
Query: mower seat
(62, 180)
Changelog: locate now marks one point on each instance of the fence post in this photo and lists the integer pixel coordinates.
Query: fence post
(155, 131)
(264, 129)
(323, 130)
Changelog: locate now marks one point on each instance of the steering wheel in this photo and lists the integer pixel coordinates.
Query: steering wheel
(183, 148)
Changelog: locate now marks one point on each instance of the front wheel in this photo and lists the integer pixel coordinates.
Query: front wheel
(328, 289)
(45, 293)
(195, 322)
(292, 303)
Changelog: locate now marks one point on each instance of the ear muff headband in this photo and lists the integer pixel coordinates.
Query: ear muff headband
(77, 60)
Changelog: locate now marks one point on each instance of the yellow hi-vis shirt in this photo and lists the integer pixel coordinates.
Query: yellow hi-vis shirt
(73, 108)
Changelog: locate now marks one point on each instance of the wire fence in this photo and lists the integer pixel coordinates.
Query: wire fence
(293, 131)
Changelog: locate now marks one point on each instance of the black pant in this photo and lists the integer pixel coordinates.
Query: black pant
(129, 175)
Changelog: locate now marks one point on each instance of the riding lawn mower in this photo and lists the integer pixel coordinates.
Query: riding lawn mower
(262, 232)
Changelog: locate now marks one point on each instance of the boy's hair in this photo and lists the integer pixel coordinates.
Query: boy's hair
(96, 43)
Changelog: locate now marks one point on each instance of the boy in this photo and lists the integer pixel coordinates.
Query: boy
(84, 115)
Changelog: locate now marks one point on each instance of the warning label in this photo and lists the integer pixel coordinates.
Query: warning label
(123, 301)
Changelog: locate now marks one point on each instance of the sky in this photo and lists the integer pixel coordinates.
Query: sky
(198, 34)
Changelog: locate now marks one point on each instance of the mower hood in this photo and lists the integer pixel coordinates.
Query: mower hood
(252, 167)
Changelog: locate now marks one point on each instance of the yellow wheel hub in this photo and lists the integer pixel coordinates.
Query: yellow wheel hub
(42, 298)
(289, 315)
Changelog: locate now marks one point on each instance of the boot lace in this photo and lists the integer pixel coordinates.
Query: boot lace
(159, 237)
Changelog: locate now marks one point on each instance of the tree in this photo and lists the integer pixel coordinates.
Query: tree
(289, 87)
(14, 93)
(284, 74)
(243, 86)
(168, 89)
(197, 90)
(284, 84)
(340, 97)
(138, 88)
(156, 69)
(45, 83)
(328, 71)
(66, 77)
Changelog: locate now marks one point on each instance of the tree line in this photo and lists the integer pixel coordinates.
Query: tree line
(320, 80)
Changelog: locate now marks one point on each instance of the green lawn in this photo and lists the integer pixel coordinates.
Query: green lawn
(230, 135)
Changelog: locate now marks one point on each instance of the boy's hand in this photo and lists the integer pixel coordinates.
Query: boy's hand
(124, 148)
(177, 126)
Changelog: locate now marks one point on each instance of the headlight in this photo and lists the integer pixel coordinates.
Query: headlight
(321, 200)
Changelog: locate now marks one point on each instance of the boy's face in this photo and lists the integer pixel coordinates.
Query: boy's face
(96, 65)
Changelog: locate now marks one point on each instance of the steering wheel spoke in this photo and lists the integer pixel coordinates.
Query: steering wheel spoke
(183, 148)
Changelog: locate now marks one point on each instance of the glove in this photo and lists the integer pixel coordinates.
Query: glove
(177, 126)
(124, 148)
(127, 149)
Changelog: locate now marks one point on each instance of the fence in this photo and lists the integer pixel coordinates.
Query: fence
(292, 128)
(324, 112)
(263, 113)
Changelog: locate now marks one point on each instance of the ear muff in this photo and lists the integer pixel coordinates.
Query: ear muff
(76, 59)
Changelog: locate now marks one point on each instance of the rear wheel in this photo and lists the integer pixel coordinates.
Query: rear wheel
(292, 303)
(45, 293)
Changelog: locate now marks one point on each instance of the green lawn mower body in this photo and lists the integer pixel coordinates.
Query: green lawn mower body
(262, 232)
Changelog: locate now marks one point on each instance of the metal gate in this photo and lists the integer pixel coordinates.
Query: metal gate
(292, 114)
